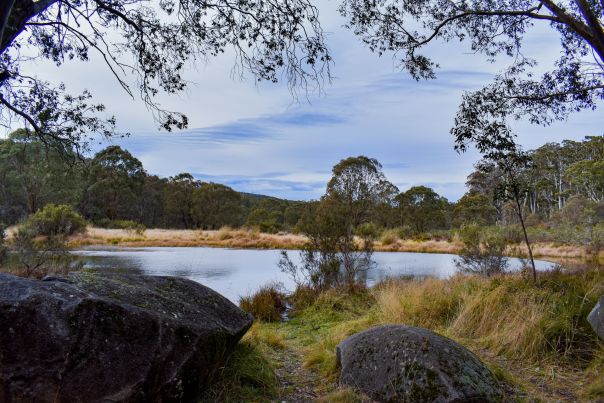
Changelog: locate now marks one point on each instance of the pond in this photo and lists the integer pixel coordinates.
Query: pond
(237, 272)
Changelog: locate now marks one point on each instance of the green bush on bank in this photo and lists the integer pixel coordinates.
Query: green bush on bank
(128, 225)
(56, 220)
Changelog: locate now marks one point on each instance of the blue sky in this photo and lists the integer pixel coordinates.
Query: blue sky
(257, 138)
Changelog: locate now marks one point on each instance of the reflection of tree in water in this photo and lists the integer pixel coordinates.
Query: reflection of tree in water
(113, 264)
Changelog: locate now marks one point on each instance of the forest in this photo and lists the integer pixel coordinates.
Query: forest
(562, 194)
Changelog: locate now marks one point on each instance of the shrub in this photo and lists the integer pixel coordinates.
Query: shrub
(388, 237)
(40, 257)
(127, 225)
(224, 233)
(596, 243)
(405, 232)
(266, 304)
(302, 298)
(483, 251)
(512, 233)
(56, 220)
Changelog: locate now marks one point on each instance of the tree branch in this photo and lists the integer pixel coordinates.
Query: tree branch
(594, 24)
(578, 26)
(555, 94)
(123, 16)
(5, 11)
(19, 112)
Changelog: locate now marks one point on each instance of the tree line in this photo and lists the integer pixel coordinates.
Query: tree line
(555, 180)
(112, 188)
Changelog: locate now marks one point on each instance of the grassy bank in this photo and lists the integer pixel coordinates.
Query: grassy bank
(245, 238)
(535, 338)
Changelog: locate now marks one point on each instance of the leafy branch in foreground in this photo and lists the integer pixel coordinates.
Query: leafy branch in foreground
(494, 28)
(153, 41)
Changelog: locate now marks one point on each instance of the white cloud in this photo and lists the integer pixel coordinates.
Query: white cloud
(257, 139)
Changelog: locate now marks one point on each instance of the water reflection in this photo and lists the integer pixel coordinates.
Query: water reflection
(237, 272)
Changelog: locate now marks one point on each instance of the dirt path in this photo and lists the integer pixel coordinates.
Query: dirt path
(296, 383)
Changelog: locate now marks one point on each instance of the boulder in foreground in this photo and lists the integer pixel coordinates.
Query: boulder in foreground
(397, 363)
(129, 338)
(596, 318)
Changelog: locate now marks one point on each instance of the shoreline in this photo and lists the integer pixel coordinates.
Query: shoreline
(248, 239)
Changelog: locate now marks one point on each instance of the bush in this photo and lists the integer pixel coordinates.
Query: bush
(596, 243)
(266, 304)
(388, 237)
(40, 257)
(56, 220)
(128, 225)
(303, 297)
(483, 251)
(405, 232)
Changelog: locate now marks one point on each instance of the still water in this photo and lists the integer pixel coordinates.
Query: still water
(237, 272)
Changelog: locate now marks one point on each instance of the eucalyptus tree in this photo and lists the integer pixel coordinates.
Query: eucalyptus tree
(114, 186)
(179, 199)
(512, 164)
(423, 209)
(216, 205)
(333, 256)
(32, 175)
(146, 45)
(493, 28)
(361, 186)
(474, 207)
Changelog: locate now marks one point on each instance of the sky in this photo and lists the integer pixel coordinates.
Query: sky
(257, 138)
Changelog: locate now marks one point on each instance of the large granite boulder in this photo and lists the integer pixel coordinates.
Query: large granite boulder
(408, 364)
(596, 318)
(128, 338)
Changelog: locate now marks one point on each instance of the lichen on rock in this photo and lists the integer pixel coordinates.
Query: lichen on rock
(112, 337)
(396, 363)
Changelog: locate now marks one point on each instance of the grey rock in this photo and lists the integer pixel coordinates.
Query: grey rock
(398, 363)
(107, 338)
(596, 318)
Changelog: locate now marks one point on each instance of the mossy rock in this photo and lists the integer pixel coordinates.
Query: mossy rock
(110, 337)
(398, 363)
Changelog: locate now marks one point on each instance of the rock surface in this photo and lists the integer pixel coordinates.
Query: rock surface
(91, 337)
(596, 318)
(408, 364)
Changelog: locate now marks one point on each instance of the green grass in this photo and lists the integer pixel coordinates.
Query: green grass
(247, 376)
(526, 333)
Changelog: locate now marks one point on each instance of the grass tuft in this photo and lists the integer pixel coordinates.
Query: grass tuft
(341, 396)
(539, 325)
(267, 304)
(247, 376)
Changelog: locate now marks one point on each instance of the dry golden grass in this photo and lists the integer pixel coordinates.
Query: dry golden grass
(410, 245)
(535, 334)
(224, 237)
(251, 239)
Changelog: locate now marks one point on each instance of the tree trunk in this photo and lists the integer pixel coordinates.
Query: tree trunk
(528, 245)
